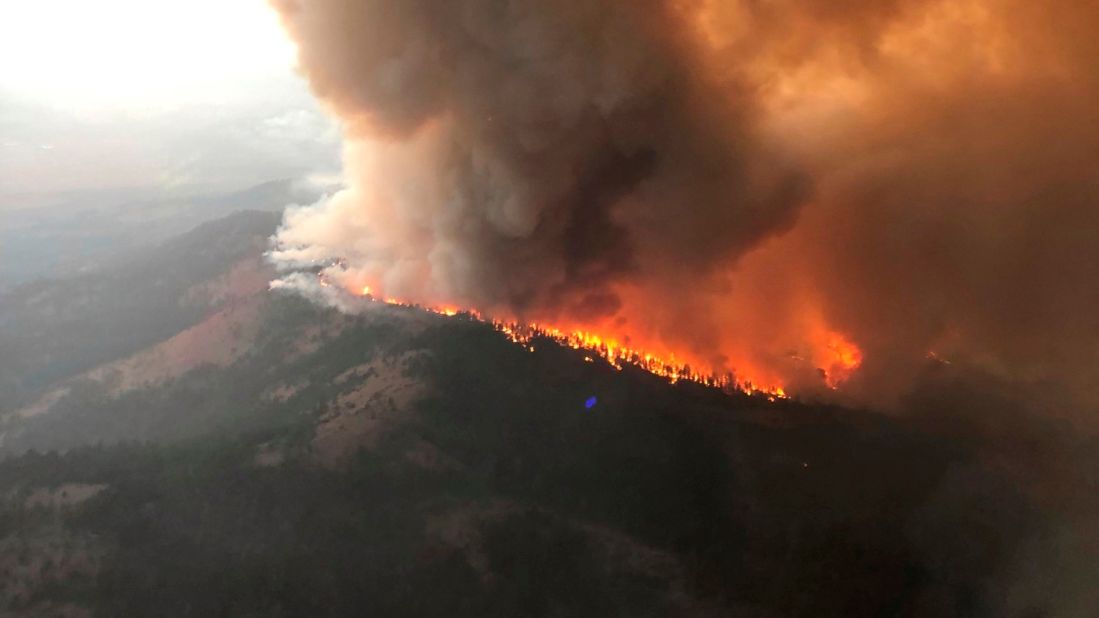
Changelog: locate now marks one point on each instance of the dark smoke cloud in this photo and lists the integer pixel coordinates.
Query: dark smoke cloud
(562, 146)
(957, 194)
(748, 181)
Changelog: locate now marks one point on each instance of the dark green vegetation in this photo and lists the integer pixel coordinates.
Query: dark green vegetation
(494, 492)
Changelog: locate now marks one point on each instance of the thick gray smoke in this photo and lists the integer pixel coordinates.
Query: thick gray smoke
(533, 153)
(804, 192)
(896, 197)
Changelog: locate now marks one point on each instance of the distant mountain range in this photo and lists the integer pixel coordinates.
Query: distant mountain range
(76, 232)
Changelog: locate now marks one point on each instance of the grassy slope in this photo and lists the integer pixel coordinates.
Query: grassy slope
(53, 329)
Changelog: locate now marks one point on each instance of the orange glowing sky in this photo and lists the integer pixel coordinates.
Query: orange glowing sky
(809, 194)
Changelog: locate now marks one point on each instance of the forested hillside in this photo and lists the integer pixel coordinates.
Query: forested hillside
(285, 459)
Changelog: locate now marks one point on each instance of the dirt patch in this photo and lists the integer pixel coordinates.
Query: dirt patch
(43, 404)
(313, 337)
(429, 457)
(623, 553)
(33, 562)
(459, 529)
(269, 455)
(65, 495)
(283, 392)
(219, 340)
(247, 278)
(380, 394)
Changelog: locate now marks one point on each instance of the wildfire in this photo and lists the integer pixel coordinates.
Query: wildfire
(615, 353)
(843, 358)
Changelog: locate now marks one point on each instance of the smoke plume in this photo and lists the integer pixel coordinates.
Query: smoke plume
(804, 192)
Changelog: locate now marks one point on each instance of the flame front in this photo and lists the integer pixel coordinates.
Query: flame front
(614, 352)
(799, 197)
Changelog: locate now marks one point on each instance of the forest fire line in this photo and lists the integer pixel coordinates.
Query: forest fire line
(608, 349)
(811, 198)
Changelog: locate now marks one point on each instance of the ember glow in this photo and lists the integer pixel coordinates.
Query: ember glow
(611, 350)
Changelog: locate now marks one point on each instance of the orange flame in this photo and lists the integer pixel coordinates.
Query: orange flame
(842, 358)
(611, 350)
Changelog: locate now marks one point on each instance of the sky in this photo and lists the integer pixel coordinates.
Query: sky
(180, 95)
